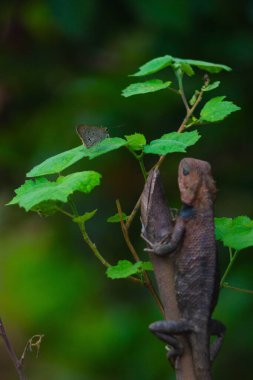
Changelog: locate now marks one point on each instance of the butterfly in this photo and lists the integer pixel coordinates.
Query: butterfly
(91, 135)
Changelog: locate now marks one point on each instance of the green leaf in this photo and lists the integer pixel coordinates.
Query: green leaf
(116, 218)
(194, 98)
(47, 208)
(203, 65)
(217, 109)
(187, 69)
(212, 86)
(58, 163)
(160, 63)
(125, 268)
(33, 192)
(236, 233)
(136, 141)
(85, 217)
(105, 146)
(146, 265)
(145, 87)
(172, 142)
(61, 161)
(154, 65)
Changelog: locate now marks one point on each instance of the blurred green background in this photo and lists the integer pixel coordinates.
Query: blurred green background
(63, 63)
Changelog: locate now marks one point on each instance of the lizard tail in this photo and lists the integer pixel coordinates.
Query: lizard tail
(199, 342)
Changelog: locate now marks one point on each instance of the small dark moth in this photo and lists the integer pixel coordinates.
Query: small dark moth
(91, 135)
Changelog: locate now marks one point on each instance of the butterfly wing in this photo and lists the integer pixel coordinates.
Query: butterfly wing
(91, 135)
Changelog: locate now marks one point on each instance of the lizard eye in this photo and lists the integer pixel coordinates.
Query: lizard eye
(186, 170)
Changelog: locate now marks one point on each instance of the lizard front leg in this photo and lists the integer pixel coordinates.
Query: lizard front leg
(162, 248)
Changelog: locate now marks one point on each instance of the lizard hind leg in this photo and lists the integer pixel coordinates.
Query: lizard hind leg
(173, 346)
(166, 331)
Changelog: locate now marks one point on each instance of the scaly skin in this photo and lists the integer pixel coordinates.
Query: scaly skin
(195, 258)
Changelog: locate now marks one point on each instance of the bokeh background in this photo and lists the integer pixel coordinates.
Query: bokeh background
(66, 62)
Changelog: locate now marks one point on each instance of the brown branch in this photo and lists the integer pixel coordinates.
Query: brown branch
(133, 213)
(12, 354)
(147, 281)
(182, 94)
(190, 111)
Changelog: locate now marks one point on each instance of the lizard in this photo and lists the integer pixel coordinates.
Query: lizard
(157, 223)
(193, 247)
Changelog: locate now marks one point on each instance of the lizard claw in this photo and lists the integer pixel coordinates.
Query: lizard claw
(145, 238)
(149, 249)
(153, 247)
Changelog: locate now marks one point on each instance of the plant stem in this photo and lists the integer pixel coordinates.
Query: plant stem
(73, 207)
(225, 285)
(175, 91)
(229, 267)
(98, 255)
(179, 76)
(17, 363)
(147, 281)
(64, 212)
(141, 163)
(143, 169)
(230, 253)
(87, 239)
(92, 246)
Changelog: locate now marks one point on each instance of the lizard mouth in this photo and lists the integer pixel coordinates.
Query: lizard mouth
(187, 204)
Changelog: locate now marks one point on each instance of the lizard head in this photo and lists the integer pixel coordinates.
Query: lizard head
(196, 182)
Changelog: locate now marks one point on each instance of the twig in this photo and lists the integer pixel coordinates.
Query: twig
(133, 213)
(190, 111)
(225, 285)
(125, 233)
(34, 341)
(147, 281)
(17, 362)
